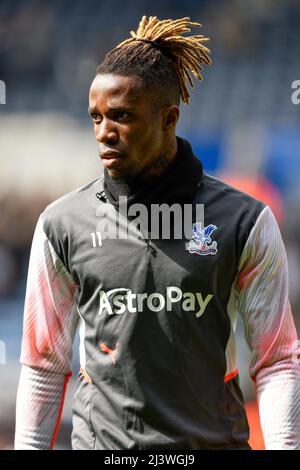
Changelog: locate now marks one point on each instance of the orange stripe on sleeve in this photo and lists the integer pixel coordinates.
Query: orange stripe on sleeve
(60, 409)
(231, 376)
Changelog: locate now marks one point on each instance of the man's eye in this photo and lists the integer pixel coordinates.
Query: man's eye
(122, 115)
(95, 117)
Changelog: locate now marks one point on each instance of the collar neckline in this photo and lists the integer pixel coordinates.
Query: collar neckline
(177, 184)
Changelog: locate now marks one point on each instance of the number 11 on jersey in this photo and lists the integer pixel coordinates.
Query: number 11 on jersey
(96, 239)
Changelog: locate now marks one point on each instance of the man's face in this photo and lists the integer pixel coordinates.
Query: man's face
(127, 125)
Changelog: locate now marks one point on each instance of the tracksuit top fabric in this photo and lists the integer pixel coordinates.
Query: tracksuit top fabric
(156, 319)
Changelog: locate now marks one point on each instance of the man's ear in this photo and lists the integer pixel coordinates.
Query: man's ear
(170, 117)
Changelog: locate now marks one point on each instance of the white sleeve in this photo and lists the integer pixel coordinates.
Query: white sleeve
(49, 326)
(262, 300)
(40, 401)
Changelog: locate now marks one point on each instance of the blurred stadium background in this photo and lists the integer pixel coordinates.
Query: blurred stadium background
(241, 121)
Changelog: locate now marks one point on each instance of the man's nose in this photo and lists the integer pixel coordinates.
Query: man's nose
(106, 132)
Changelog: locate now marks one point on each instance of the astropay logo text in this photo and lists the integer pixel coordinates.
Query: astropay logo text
(118, 301)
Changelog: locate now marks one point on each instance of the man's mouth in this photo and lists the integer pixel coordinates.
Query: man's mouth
(110, 158)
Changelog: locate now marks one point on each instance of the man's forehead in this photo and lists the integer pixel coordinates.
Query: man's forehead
(116, 89)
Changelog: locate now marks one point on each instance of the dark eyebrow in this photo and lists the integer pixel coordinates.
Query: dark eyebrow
(117, 108)
(122, 108)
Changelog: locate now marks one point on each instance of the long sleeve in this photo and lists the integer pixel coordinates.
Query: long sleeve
(49, 326)
(263, 303)
(40, 401)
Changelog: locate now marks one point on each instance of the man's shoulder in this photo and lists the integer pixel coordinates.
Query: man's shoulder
(236, 211)
(66, 210)
(231, 194)
(73, 201)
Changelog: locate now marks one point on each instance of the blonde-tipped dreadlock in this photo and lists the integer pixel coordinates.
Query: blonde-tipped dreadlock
(159, 54)
(188, 53)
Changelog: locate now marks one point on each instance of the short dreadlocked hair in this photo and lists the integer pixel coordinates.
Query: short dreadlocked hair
(161, 57)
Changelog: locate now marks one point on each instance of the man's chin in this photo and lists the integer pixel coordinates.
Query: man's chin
(114, 173)
(118, 173)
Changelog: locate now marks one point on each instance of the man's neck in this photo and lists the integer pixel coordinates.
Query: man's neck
(161, 164)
